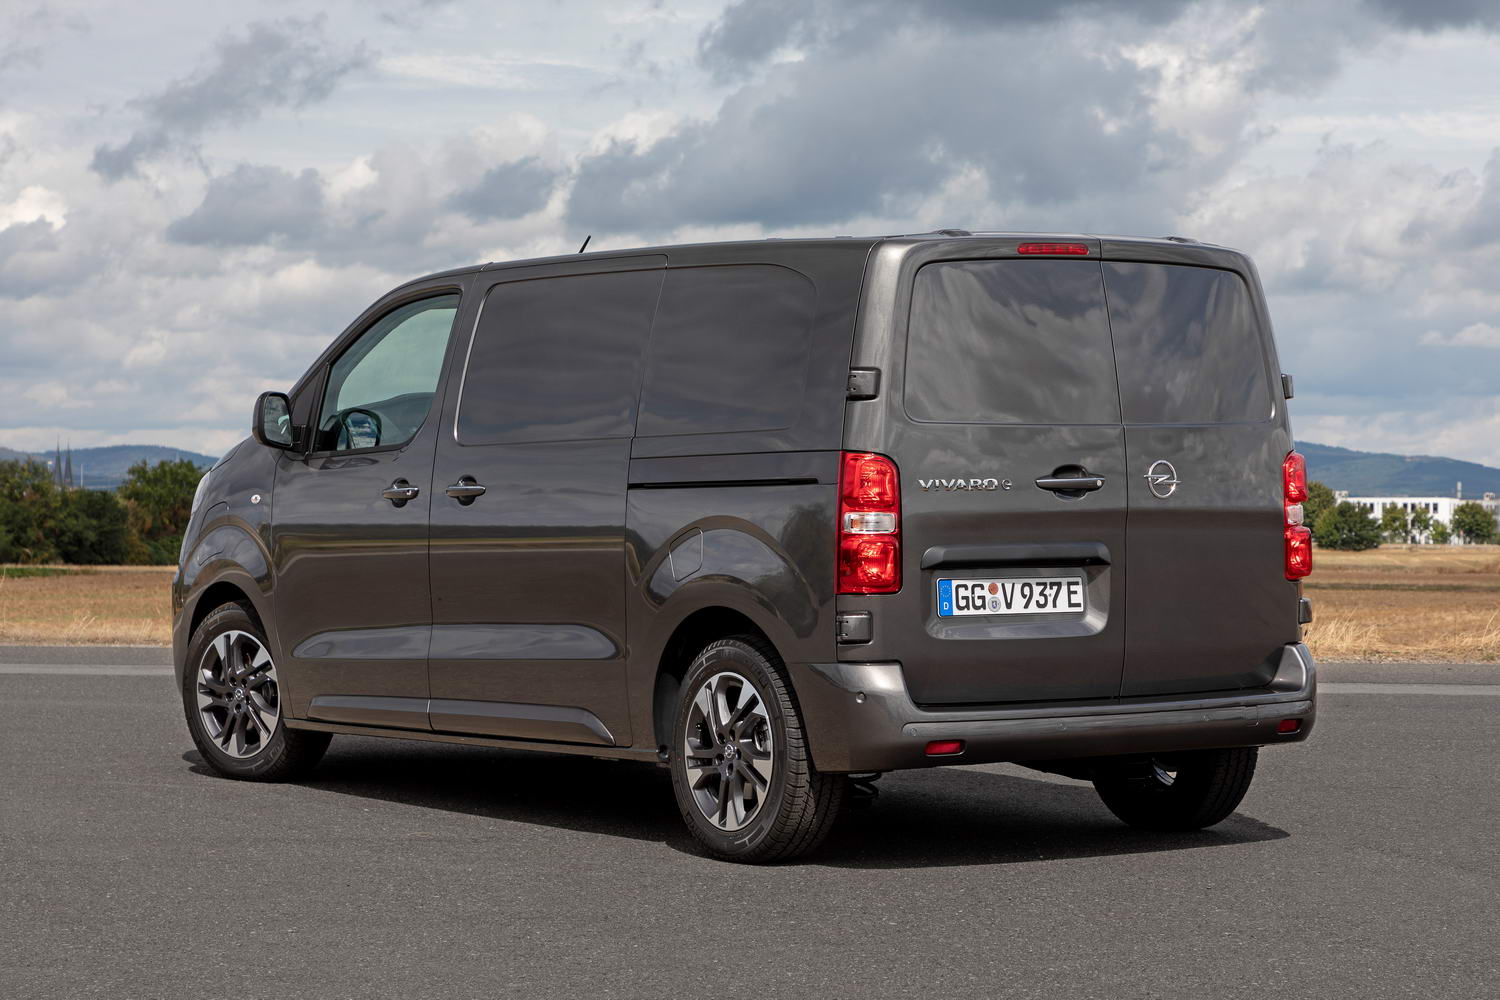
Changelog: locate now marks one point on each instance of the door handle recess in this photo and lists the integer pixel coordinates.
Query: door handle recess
(400, 491)
(1071, 484)
(465, 490)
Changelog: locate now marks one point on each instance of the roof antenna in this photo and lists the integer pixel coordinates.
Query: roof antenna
(585, 242)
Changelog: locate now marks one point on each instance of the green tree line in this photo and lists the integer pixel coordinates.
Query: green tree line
(140, 523)
(1343, 525)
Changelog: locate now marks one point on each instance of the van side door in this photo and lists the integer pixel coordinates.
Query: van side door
(349, 520)
(528, 520)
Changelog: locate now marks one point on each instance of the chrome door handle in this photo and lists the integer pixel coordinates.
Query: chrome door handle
(400, 491)
(1067, 484)
(465, 490)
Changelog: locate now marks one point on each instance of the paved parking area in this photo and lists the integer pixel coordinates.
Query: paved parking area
(1362, 864)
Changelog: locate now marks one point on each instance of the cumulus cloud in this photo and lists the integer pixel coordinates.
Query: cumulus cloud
(507, 191)
(1437, 15)
(1473, 335)
(254, 204)
(288, 63)
(855, 132)
(752, 31)
(1078, 114)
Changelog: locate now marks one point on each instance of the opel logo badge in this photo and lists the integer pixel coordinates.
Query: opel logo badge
(1162, 479)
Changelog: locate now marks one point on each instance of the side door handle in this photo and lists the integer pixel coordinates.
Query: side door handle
(1071, 484)
(399, 492)
(465, 490)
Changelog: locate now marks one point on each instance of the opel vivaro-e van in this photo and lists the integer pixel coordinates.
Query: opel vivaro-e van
(778, 516)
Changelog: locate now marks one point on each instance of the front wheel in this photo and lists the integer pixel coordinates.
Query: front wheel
(232, 697)
(741, 770)
(1183, 791)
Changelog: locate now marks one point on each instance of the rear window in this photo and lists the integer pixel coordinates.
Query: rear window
(1011, 342)
(728, 352)
(558, 359)
(1187, 344)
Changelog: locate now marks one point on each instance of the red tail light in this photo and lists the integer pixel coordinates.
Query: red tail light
(869, 525)
(1298, 537)
(1069, 249)
(1294, 478)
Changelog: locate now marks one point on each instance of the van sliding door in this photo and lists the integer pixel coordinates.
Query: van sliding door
(528, 508)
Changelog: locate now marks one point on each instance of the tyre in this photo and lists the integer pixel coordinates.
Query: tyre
(741, 769)
(1185, 791)
(233, 702)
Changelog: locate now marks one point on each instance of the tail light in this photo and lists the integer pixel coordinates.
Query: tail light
(869, 525)
(1298, 536)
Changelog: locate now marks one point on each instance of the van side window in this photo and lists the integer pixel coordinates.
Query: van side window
(558, 359)
(728, 352)
(1188, 345)
(380, 389)
(1010, 342)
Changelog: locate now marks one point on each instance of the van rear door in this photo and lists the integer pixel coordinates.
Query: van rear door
(1209, 606)
(1013, 586)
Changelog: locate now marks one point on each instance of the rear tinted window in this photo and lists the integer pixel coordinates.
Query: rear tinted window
(1187, 344)
(728, 352)
(558, 358)
(1010, 341)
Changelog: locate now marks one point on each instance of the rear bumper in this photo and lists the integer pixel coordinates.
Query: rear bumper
(860, 718)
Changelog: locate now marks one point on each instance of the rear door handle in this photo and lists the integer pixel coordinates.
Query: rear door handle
(400, 491)
(465, 490)
(1068, 484)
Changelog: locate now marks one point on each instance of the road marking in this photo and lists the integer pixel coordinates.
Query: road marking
(1460, 690)
(87, 669)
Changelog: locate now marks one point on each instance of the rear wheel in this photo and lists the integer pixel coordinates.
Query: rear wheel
(232, 697)
(741, 770)
(1185, 791)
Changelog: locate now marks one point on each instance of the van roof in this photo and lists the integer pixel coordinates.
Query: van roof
(1177, 248)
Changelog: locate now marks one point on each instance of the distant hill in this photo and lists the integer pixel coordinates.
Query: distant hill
(104, 468)
(1368, 473)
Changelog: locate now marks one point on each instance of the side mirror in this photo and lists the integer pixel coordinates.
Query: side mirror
(272, 422)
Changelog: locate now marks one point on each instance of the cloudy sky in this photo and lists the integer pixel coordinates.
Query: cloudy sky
(195, 197)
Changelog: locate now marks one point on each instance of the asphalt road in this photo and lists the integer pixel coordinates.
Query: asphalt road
(1362, 864)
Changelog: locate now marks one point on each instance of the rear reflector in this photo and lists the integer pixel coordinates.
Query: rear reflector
(945, 748)
(1287, 726)
(1069, 249)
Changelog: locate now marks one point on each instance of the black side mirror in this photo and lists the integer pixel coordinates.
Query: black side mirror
(272, 422)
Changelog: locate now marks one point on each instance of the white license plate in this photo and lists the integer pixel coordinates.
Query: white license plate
(1013, 596)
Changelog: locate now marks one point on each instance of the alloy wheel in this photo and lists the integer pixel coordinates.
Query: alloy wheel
(728, 749)
(239, 701)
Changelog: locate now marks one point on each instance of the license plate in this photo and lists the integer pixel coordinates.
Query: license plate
(1014, 596)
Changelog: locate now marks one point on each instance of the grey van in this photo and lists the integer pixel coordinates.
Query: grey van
(779, 516)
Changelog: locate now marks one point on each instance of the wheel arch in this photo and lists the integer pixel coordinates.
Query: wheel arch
(691, 634)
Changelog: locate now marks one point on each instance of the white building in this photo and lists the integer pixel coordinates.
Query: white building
(1437, 508)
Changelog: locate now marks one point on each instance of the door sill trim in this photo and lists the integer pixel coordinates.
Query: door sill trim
(427, 736)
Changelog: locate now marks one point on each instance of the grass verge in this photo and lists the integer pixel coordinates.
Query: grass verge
(95, 605)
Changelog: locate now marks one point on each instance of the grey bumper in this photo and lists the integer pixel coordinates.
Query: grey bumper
(860, 718)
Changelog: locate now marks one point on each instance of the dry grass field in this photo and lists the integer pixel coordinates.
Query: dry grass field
(1406, 602)
(1420, 603)
(111, 605)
